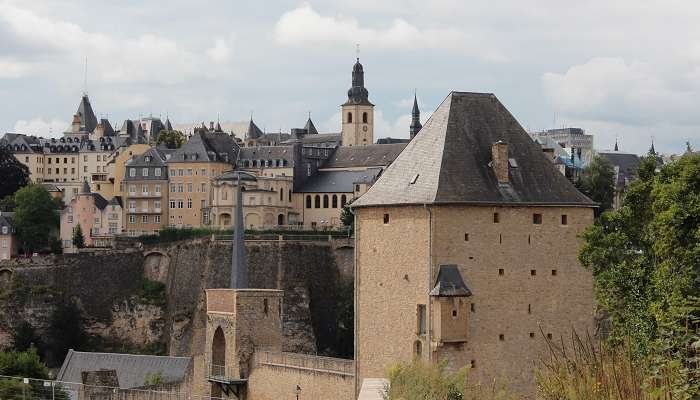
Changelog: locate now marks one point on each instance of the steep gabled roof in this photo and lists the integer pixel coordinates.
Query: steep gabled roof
(310, 128)
(207, 147)
(253, 131)
(449, 283)
(449, 162)
(88, 121)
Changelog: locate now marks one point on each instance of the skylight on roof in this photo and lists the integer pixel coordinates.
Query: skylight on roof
(414, 178)
(513, 163)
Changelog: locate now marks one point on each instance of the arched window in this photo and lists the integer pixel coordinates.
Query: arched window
(335, 201)
(349, 118)
(325, 201)
(343, 201)
(289, 195)
(281, 194)
(308, 201)
(364, 117)
(317, 201)
(280, 219)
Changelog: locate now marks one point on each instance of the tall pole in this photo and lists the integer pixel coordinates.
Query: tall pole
(239, 267)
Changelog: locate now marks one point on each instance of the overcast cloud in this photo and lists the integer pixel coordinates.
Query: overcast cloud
(625, 69)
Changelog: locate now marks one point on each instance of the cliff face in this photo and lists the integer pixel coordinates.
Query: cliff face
(124, 308)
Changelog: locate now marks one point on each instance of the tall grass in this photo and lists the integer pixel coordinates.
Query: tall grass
(586, 370)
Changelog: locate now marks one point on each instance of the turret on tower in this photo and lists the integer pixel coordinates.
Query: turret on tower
(415, 118)
(358, 112)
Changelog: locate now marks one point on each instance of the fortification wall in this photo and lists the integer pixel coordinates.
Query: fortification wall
(317, 377)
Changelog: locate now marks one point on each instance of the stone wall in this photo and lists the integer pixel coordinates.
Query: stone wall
(317, 377)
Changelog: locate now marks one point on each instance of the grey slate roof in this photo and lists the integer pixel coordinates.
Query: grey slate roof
(310, 128)
(207, 147)
(267, 153)
(449, 283)
(338, 181)
(253, 131)
(329, 138)
(391, 140)
(88, 121)
(373, 155)
(132, 369)
(448, 162)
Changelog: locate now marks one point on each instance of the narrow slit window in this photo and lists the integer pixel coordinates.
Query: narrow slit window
(466, 237)
(472, 307)
(554, 272)
(537, 219)
(529, 308)
(564, 219)
(496, 218)
(501, 271)
(386, 219)
(501, 337)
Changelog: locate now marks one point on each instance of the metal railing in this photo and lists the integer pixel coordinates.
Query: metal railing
(306, 362)
(19, 388)
(276, 237)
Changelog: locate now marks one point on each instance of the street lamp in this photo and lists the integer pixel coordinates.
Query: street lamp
(297, 391)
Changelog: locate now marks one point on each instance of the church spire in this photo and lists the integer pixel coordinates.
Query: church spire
(358, 94)
(616, 148)
(415, 118)
(652, 151)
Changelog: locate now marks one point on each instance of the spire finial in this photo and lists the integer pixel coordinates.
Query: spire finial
(85, 92)
(357, 51)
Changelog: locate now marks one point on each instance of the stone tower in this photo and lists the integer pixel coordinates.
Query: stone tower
(358, 112)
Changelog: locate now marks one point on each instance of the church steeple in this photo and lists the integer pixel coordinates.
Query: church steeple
(358, 94)
(357, 111)
(415, 118)
(652, 151)
(616, 148)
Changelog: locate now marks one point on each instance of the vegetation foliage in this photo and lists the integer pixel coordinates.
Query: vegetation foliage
(78, 238)
(171, 139)
(598, 182)
(35, 217)
(421, 380)
(645, 258)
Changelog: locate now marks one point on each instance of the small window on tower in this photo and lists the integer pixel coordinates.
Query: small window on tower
(386, 219)
(466, 237)
(349, 118)
(496, 218)
(564, 219)
(537, 219)
(364, 117)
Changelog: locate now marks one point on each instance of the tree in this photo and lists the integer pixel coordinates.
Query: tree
(598, 182)
(67, 332)
(25, 364)
(78, 239)
(347, 217)
(15, 175)
(645, 259)
(35, 217)
(24, 337)
(172, 139)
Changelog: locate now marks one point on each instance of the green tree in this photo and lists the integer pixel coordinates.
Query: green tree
(35, 217)
(24, 337)
(347, 217)
(7, 203)
(78, 238)
(67, 332)
(25, 364)
(645, 258)
(15, 175)
(598, 182)
(171, 139)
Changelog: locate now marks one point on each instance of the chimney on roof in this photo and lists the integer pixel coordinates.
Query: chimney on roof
(499, 155)
(75, 126)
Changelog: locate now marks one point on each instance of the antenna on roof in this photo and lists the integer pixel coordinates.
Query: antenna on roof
(85, 79)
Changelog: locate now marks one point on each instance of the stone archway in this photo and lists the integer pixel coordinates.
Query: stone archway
(218, 360)
(280, 220)
(225, 220)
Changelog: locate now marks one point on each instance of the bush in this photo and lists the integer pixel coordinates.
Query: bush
(152, 292)
(420, 381)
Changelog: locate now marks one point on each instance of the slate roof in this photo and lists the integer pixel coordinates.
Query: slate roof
(157, 159)
(449, 162)
(310, 128)
(390, 140)
(132, 369)
(253, 131)
(6, 218)
(373, 155)
(449, 283)
(338, 181)
(207, 147)
(88, 121)
(267, 153)
(322, 138)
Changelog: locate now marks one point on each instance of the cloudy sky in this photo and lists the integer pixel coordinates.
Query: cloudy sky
(617, 68)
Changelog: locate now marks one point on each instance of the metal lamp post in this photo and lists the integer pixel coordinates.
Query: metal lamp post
(297, 391)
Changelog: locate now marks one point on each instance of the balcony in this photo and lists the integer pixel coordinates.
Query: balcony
(223, 375)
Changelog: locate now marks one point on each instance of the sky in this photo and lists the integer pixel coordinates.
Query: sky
(621, 69)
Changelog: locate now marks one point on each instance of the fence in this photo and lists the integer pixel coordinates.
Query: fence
(277, 237)
(18, 388)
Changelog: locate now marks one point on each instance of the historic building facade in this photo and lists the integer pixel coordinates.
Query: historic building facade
(466, 250)
(99, 219)
(147, 203)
